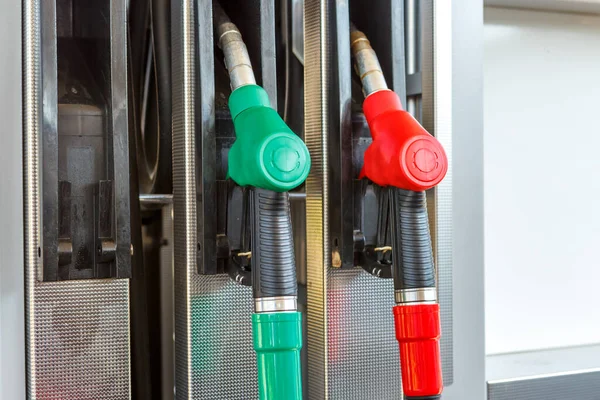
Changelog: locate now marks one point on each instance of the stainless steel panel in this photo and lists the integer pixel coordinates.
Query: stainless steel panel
(437, 118)
(77, 332)
(572, 6)
(12, 297)
(468, 322)
(539, 363)
(79, 344)
(552, 374)
(214, 356)
(223, 362)
(357, 314)
(352, 351)
(583, 385)
(363, 357)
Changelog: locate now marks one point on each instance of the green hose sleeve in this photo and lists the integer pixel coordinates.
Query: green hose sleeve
(266, 153)
(277, 341)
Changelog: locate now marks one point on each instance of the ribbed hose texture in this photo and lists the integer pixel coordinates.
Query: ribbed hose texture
(412, 252)
(273, 262)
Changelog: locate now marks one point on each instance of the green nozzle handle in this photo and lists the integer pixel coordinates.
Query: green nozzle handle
(266, 153)
(277, 341)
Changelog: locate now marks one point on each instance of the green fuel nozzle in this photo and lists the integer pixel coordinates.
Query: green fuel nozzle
(271, 159)
(266, 153)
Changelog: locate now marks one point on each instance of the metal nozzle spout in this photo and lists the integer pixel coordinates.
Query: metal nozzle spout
(366, 63)
(230, 41)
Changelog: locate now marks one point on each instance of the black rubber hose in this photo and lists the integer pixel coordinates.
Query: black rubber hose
(273, 263)
(161, 29)
(412, 252)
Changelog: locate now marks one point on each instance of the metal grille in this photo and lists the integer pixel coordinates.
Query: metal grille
(584, 385)
(80, 340)
(223, 359)
(363, 353)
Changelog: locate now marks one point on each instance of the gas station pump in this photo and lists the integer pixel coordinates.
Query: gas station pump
(268, 157)
(305, 212)
(407, 160)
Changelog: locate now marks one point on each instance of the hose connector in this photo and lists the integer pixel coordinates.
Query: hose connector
(237, 60)
(366, 63)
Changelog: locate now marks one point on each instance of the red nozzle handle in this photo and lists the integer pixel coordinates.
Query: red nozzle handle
(403, 154)
(418, 332)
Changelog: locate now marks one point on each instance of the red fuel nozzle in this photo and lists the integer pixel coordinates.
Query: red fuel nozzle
(405, 157)
(403, 154)
(418, 332)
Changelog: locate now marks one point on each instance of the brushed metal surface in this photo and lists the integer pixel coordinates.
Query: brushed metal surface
(318, 252)
(77, 332)
(12, 296)
(569, 6)
(437, 119)
(536, 363)
(580, 385)
(468, 322)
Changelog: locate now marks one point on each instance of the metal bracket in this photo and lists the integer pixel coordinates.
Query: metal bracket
(65, 242)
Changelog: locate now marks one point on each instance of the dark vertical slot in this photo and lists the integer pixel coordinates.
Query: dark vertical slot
(383, 24)
(206, 103)
(216, 250)
(341, 209)
(86, 181)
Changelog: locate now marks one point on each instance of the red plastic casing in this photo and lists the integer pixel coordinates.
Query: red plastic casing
(418, 332)
(403, 154)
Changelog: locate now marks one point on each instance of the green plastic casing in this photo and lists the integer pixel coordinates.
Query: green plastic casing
(277, 342)
(266, 153)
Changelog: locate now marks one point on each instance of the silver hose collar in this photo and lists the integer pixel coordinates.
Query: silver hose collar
(274, 304)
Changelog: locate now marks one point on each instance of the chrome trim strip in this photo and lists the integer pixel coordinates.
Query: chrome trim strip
(184, 184)
(31, 190)
(318, 253)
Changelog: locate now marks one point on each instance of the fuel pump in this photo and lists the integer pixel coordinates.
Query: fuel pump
(270, 159)
(405, 160)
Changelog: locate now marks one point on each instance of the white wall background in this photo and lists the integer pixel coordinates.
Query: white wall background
(542, 179)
